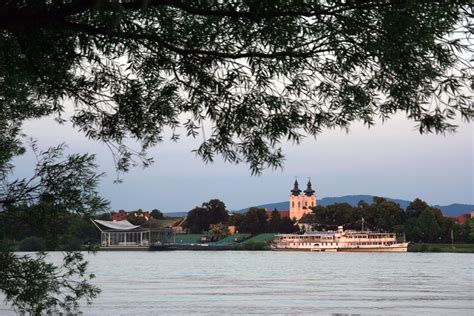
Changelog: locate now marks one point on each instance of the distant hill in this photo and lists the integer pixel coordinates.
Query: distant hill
(175, 214)
(448, 210)
(455, 209)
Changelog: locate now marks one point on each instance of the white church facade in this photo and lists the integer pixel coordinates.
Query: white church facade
(301, 204)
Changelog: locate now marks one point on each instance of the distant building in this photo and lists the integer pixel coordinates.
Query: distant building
(461, 219)
(232, 229)
(121, 215)
(301, 204)
(173, 223)
(126, 236)
(122, 234)
(178, 226)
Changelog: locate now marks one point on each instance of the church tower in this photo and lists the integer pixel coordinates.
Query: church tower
(309, 197)
(301, 204)
(296, 202)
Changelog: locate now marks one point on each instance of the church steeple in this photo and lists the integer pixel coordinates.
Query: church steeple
(309, 190)
(302, 204)
(296, 191)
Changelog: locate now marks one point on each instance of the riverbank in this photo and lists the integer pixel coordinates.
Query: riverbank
(457, 248)
(261, 242)
(232, 242)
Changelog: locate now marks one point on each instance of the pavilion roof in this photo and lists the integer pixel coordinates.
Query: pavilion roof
(117, 225)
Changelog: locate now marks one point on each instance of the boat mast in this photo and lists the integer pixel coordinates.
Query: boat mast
(363, 220)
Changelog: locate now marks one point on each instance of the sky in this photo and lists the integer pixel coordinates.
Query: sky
(390, 159)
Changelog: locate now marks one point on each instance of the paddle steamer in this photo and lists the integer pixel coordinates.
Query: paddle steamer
(340, 241)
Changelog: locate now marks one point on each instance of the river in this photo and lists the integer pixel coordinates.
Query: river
(280, 283)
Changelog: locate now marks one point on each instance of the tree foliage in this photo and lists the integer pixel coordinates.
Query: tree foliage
(419, 222)
(250, 72)
(137, 217)
(470, 228)
(35, 287)
(274, 222)
(255, 221)
(45, 226)
(46, 208)
(64, 181)
(219, 230)
(200, 218)
(157, 214)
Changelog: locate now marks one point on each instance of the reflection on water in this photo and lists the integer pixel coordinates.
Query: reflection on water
(238, 282)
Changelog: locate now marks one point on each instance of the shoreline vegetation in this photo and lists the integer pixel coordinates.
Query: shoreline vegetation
(261, 242)
(212, 227)
(441, 247)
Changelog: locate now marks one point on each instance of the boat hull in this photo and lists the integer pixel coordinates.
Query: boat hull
(391, 249)
(162, 247)
(394, 248)
(204, 247)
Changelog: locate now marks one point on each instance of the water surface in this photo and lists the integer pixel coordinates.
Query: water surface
(281, 283)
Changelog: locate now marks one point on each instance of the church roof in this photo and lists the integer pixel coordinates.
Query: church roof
(309, 190)
(296, 190)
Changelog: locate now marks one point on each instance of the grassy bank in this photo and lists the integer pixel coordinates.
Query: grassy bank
(258, 242)
(460, 248)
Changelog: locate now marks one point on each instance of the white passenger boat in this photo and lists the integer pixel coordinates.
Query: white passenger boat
(340, 240)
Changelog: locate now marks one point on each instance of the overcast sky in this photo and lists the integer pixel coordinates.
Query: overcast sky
(391, 159)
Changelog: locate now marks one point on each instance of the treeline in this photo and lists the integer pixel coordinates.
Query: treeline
(46, 226)
(419, 222)
(255, 221)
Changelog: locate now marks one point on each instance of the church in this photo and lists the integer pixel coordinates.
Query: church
(301, 204)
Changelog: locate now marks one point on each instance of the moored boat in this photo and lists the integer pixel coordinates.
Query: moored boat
(339, 241)
(159, 246)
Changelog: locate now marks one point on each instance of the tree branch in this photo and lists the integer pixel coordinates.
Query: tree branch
(188, 51)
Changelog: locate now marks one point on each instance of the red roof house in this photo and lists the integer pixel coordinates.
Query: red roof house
(283, 213)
